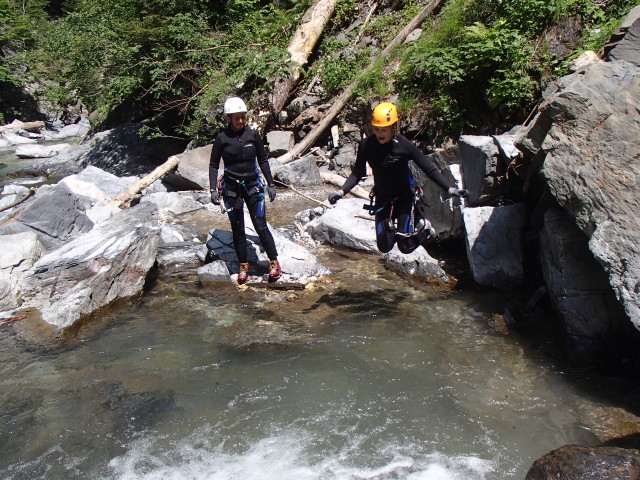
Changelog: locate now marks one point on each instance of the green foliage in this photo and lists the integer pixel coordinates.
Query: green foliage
(344, 12)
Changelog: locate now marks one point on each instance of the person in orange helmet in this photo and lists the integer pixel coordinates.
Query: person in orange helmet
(388, 154)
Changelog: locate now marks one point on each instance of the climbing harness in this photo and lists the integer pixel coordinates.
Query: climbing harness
(418, 222)
(251, 189)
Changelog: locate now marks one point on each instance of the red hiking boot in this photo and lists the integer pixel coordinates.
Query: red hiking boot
(274, 271)
(244, 273)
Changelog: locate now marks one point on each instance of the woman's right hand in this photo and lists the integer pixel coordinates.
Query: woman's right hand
(215, 198)
(334, 197)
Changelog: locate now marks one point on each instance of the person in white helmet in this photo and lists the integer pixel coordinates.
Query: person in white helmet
(242, 151)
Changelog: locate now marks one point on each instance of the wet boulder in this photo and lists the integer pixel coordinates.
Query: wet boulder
(214, 272)
(578, 462)
(418, 263)
(92, 271)
(180, 248)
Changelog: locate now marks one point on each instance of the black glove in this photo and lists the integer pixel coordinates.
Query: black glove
(272, 193)
(334, 197)
(215, 198)
(458, 192)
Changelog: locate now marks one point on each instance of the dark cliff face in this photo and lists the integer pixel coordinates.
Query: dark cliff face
(587, 135)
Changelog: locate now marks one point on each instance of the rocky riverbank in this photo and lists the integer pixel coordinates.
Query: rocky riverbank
(554, 201)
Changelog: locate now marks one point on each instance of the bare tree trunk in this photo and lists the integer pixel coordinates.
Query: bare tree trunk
(338, 181)
(344, 97)
(301, 46)
(145, 181)
(29, 126)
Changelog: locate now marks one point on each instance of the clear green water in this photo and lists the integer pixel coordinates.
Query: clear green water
(378, 381)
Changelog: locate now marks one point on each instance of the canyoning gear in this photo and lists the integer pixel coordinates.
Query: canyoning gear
(235, 195)
(399, 220)
(458, 192)
(234, 105)
(274, 271)
(334, 197)
(243, 274)
(272, 192)
(384, 115)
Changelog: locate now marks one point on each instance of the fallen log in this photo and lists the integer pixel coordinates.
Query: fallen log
(344, 97)
(301, 46)
(18, 125)
(145, 181)
(338, 181)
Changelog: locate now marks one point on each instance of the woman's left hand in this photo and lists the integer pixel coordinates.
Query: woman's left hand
(272, 193)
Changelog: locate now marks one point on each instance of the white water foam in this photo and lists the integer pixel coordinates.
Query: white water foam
(288, 455)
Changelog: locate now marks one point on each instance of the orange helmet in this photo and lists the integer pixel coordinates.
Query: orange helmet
(384, 115)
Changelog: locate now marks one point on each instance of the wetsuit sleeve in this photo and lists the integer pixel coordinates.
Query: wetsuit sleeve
(358, 171)
(214, 162)
(261, 155)
(427, 166)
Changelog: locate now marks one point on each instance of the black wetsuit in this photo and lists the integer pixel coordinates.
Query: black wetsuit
(242, 152)
(393, 187)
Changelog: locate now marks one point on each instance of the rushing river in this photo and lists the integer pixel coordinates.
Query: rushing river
(380, 378)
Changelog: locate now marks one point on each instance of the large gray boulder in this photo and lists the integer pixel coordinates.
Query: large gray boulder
(481, 165)
(97, 184)
(280, 142)
(588, 133)
(193, 169)
(108, 263)
(40, 151)
(58, 213)
(300, 173)
(494, 242)
(347, 225)
(443, 212)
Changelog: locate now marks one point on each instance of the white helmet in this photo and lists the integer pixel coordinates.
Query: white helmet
(234, 105)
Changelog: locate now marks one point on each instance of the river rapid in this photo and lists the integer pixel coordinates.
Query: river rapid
(380, 377)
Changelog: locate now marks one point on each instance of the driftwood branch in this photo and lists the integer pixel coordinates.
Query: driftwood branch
(344, 97)
(145, 181)
(19, 201)
(303, 194)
